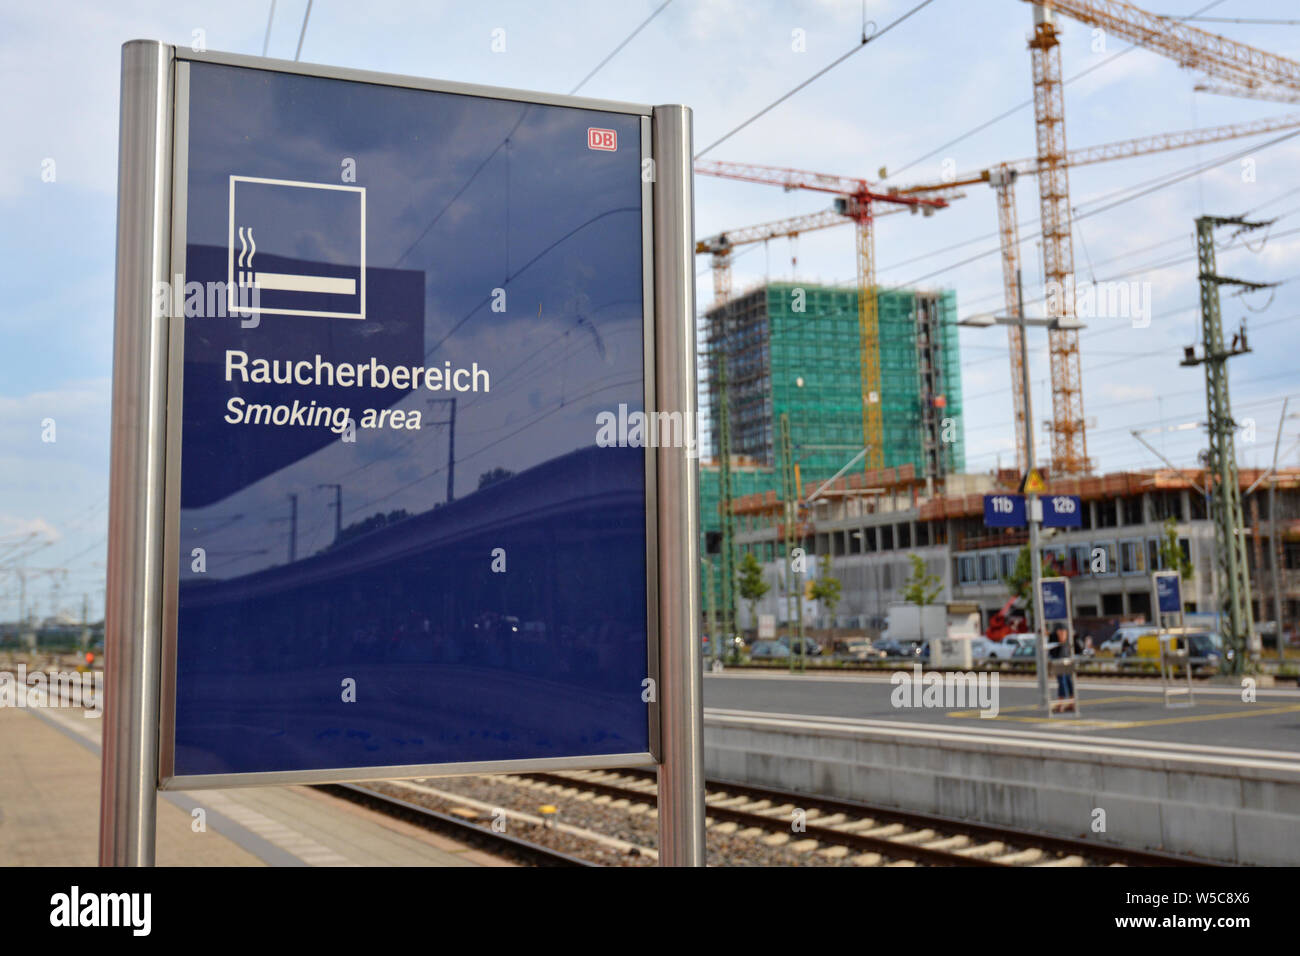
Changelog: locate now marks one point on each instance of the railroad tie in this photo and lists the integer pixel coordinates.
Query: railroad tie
(916, 836)
(867, 859)
(948, 843)
(1072, 860)
(984, 850)
(866, 823)
(1020, 857)
(888, 830)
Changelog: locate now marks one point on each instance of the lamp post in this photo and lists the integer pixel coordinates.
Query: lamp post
(1033, 509)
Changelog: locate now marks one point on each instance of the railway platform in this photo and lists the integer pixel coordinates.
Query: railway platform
(1218, 781)
(49, 812)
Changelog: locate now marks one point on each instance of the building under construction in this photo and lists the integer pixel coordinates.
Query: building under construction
(793, 349)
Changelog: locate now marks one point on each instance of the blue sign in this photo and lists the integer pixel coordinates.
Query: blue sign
(1004, 511)
(1056, 599)
(1169, 598)
(1062, 511)
(401, 540)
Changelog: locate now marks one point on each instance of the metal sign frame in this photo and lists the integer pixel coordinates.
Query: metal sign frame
(143, 575)
(1174, 695)
(1068, 664)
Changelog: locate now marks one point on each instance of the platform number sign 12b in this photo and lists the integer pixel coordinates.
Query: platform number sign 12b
(1062, 511)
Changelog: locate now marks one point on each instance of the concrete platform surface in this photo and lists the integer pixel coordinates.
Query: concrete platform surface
(1114, 709)
(49, 813)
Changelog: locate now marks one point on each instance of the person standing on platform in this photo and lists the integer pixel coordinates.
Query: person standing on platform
(1064, 681)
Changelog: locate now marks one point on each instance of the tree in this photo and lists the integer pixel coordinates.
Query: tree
(922, 587)
(752, 585)
(826, 588)
(493, 476)
(1172, 556)
(1020, 581)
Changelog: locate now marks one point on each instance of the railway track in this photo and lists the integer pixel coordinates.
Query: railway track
(828, 832)
(475, 834)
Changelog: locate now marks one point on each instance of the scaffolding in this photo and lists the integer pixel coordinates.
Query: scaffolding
(794, 349)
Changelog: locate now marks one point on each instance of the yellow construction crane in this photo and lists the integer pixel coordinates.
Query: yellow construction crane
(1237, 63)
(855, 198)
(720, 246)
(1002, 178)
(1248, 93)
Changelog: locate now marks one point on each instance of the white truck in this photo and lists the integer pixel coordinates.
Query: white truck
(948, 629)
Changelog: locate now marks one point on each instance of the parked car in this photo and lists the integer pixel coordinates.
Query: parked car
(981, 648)
(855, 649)
(764, 650)
(1027, 650)
(1123, 640)
(810, 647)
(1207, 645)
(1009, 646)
(892, 648)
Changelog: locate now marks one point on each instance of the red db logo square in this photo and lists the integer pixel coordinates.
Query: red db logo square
(606, 139)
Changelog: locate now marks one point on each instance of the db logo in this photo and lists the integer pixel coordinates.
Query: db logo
(606, 139)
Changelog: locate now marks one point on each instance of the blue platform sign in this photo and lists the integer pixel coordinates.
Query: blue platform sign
(1169, 599)
(406, 535)
(1056, 599)
(1004, 511)
(1062, 511)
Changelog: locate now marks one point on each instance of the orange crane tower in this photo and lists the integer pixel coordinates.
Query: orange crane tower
(855, 198)
(1002, 178)
(1237, 63)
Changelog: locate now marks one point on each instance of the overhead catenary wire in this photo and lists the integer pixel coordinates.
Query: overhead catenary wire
(816, 76)
(1029, 102)
(628, 39)
(303, 32)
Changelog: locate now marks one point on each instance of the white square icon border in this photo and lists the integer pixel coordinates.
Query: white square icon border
(231, 288)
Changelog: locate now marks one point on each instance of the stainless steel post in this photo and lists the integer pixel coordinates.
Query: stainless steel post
(1031, 507)
(133, 602)
(681, 698)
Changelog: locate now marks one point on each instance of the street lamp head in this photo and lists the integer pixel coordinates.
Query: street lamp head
(980, 320)
(1066, 324)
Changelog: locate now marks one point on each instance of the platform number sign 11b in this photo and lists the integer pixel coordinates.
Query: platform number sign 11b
(1004, 511)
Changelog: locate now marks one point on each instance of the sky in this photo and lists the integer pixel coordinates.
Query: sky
(905, 102)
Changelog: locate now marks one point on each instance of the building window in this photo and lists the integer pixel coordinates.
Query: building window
(1080, 562)
(1007, 560)
(989, 568)
(904, 535)
(1133, 510)
(1107, 513)
(1132, 559)
(1107, 549)
(966, 570)
(1154, 563)
(887, 537)
(922, 534)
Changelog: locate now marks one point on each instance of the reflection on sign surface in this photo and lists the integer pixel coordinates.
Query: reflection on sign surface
(399, 542)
